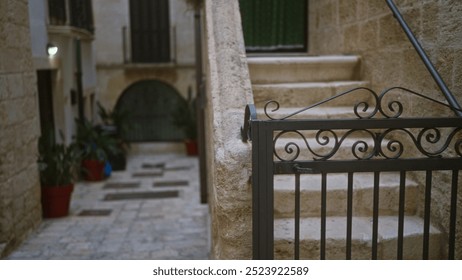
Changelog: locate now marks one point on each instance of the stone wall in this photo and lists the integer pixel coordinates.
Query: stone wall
(367, 28)
(20, 209)
(228, 158)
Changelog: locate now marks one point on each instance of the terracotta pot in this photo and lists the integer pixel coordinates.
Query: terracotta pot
(191, 147)
(56, 200)
(93, 170)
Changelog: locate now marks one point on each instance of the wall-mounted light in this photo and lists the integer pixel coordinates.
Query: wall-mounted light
(52, 50)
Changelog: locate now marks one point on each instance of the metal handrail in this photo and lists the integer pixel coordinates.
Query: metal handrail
(426, 60)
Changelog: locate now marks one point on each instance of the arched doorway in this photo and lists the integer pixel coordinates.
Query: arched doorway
(150, 105)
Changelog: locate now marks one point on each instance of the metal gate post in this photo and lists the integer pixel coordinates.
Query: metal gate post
(262, 191)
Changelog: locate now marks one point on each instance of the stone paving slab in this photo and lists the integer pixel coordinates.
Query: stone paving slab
(141, 195)
(172, 228)
(121, 185)
(180, 183)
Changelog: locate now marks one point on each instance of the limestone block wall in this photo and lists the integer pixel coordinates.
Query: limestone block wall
(20, 209)
(367, 28)
(228, 158)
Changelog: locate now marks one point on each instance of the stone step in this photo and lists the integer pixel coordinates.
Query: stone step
(337, 195)
(264, 70)
(305, 94)
(361, 238)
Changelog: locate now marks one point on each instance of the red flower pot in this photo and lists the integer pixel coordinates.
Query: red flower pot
(93, 170)
(56, 200)
(191, 147)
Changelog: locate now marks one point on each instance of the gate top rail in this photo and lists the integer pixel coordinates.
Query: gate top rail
(380, 105)
(380, 121)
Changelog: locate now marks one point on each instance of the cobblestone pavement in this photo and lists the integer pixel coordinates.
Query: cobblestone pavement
(146, 228)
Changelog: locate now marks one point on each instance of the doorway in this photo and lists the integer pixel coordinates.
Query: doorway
(45, 93)
(150, 105)
(275, 25)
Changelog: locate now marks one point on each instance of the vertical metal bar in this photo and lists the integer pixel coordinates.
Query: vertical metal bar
(263, 186)
(124, 44)
(323, 215)
(375, 218)
(349, 215)
(200, 105)
(79, 75)
(402, 200)
(453, 218)
(68, 17)
(256, 227)
(173, 45)
(297, 217)
(428, 200)
(269, 193)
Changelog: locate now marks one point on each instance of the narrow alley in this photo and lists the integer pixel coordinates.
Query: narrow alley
(151, 210)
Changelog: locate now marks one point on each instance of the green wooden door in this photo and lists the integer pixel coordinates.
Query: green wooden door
(150, 105)
(275, 25)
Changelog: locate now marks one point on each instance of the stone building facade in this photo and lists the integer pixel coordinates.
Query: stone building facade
(29, 78)
(116, 68)
(26, 28)
(20, 209)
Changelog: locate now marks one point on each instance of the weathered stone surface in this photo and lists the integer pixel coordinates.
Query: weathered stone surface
(305, 94)
(171, 228)
(361, 238)
(19, 181)
(302, 69)
(228, 161)
(310, 195)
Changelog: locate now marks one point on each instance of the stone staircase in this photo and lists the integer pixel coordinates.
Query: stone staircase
(297, 82)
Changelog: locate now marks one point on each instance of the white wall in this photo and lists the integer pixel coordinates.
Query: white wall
(38, 14)
(182, 20)
(110, 17)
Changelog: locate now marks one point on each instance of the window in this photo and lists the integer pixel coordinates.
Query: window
(150, 27)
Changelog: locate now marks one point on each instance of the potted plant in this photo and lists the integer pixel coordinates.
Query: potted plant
(95, 144)
(58, 168)
(116, 124)
(185, 118)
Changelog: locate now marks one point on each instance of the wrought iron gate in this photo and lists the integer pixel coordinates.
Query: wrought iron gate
(384, 141)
